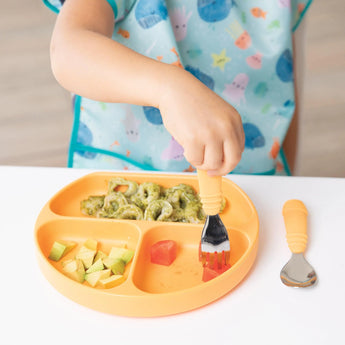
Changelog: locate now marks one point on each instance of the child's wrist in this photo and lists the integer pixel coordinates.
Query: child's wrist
(170, 81)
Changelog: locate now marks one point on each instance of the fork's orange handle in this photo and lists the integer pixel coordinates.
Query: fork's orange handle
(295, 218)
(210, 188)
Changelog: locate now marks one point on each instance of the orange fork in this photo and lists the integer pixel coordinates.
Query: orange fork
(215, 244)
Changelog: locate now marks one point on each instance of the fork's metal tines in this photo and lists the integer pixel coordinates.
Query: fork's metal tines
(215, 244)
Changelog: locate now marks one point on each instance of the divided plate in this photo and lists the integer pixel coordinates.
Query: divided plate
(148, 289)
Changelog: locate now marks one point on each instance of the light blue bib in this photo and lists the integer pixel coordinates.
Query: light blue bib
(242, 50)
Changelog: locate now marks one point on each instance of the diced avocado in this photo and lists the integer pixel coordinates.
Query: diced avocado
(87, 252)
(107, 262)
(86, 256)
(94, 277)
(74, 269)
(118, 266)
(96, 266)
(60, 248)
(121, 253)
(100, 255)
(90, 244)
(70, 265)
(66, 262)
(112, 281)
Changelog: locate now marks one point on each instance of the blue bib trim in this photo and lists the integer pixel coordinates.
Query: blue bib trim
(51, 6)
(113, 6)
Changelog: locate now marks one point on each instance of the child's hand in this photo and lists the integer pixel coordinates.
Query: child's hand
(209, 129)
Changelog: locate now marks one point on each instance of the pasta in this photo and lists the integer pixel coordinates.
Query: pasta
(146, 201)
(159, 210)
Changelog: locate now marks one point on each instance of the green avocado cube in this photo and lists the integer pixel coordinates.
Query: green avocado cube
(90, 244)
(94, 277)
(107, 262)
(100, 255)
(86, 257)
(96, 266)
(74, 269)
(112, 281)
(87, 252)
(118, 266)
(60, 248)
(121, 253)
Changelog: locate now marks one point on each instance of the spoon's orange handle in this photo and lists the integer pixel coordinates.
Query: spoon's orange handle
(295, 218)
(210, 188)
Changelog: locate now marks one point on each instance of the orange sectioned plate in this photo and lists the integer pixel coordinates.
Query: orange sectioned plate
(148, 289)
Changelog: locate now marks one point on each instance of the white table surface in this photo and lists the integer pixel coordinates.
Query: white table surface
(260, 310)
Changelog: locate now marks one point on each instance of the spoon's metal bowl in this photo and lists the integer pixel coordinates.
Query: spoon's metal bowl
(298, 272)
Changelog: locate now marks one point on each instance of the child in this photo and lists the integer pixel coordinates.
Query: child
(176, 85)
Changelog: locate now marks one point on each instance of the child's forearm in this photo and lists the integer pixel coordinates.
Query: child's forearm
(87, 62)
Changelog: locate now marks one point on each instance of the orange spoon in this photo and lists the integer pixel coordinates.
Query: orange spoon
(297, 272)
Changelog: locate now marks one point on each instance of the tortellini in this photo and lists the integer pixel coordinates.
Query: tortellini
(146, 201)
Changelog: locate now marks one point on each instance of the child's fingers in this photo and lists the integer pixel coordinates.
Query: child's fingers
(232, 155)
(194, 154)
(213, 157)
(242, 139)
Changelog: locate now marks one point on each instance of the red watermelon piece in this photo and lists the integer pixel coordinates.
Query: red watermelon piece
(211, 273)
(164, 252)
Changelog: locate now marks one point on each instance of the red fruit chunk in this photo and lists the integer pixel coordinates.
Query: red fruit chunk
(163, 252)
(210, 273)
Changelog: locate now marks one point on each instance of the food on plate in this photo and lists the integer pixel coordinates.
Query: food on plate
(60, 249)
(159, 210)
(100, 255)
(117, 265)
(74, 269)
(128, 212)
(93, 205)
(96, 266)
(87, 253)
(164, 252)
(148, 201)
(94, 277)
(124, 254)
(92, 265)
(211, 273)
(112, 281)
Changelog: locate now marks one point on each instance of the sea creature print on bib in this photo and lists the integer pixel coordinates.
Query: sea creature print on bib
(240, 36)
(274, 24)
(173, 152)
(149, 13)
(214, 10)
(131, 124)
(284, 113)
(153, 115)
(275, 149)
(178, 61)
(219, 60)
(284, 3)
(123, 33)
(284, 66)
(254, 61)
(261, 89)
(85, 137)
(190, 169)
(253, 136)
(257, 12)
(287, 109)
(203, 77)
(179, 20)
(194, 52)
(234, 92)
